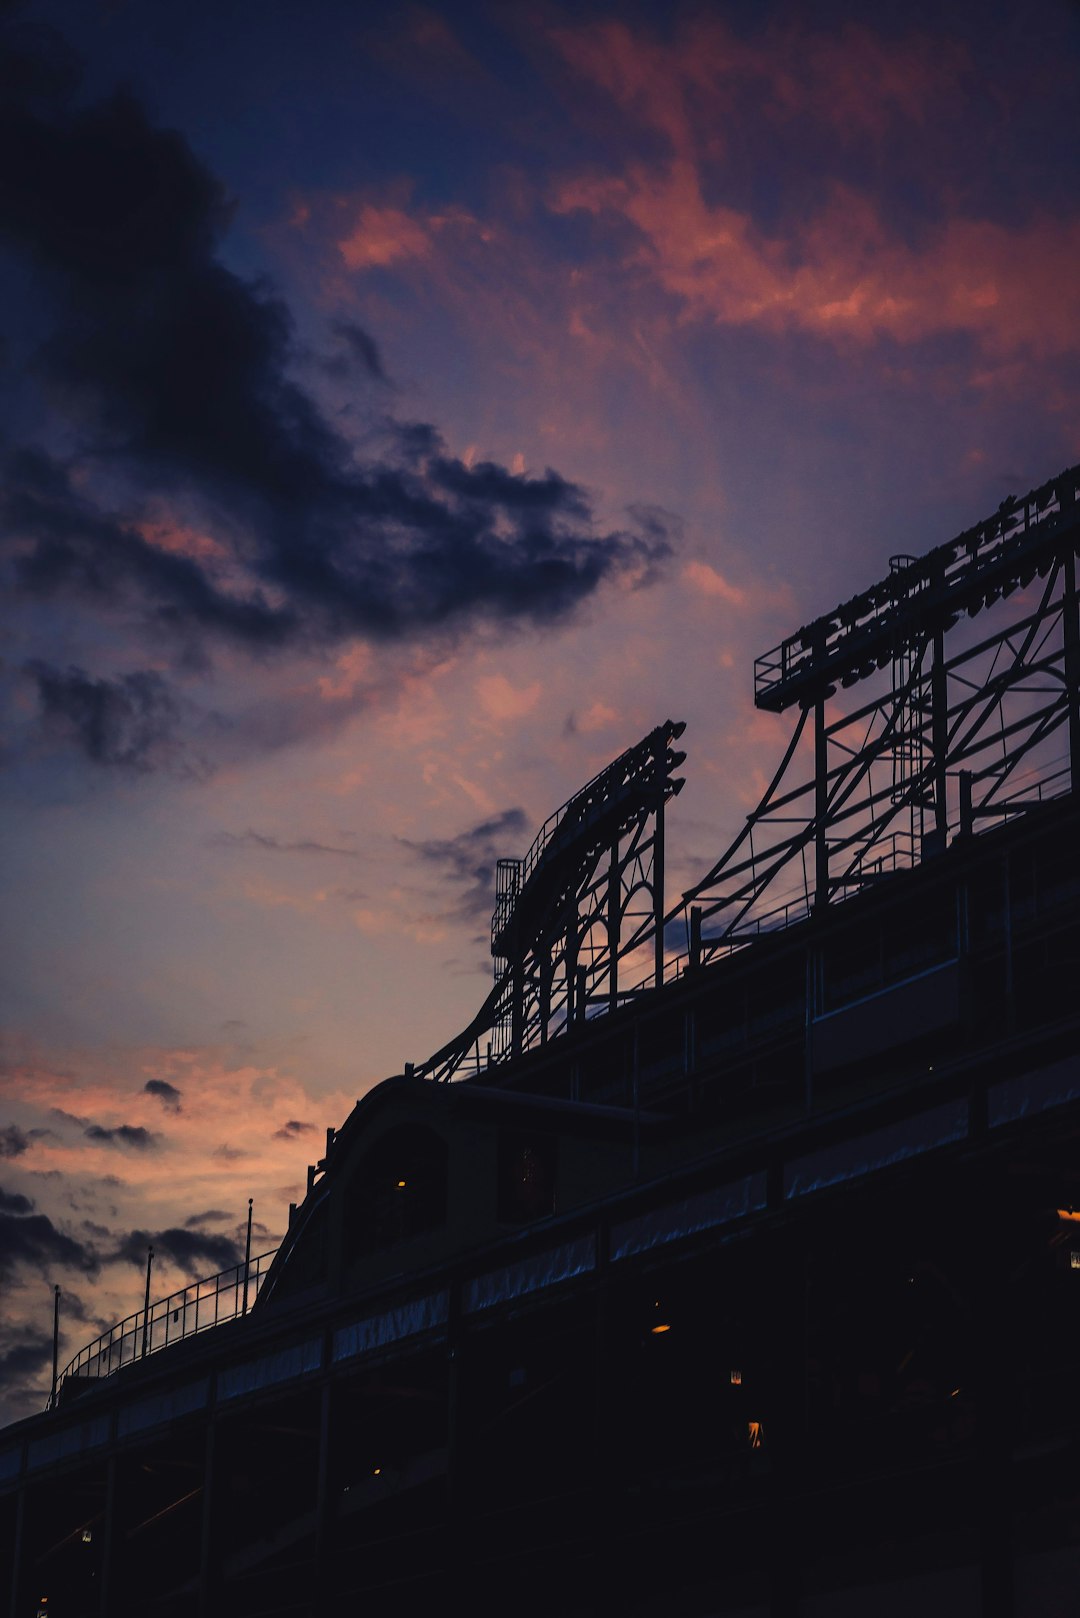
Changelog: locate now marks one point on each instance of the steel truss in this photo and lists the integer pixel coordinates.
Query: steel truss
(968, 733)
(961, 735)
(587, 898)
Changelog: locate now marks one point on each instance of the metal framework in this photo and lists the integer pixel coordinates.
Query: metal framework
(965, 732)
(968, 729)
(587, 897)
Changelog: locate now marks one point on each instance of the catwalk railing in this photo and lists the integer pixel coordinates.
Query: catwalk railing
(194, 1308)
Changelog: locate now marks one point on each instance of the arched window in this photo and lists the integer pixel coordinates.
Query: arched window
(398, 1189)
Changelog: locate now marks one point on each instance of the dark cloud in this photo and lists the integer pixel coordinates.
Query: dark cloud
(169, 1096)
(212, 1216)
(128, 722)
(27, 1354)
(73, 1306)
(230, 1154)
(358, 352)
(32, 1240)
(174, 376)
(274, 845)
(133, 1135)
(13, 1202)
(469, 860)
(293, 1129)
(70, 546)
(68, 1117)
(13, 1141)
(195, 1252)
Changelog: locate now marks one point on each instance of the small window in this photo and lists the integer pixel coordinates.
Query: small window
(527, 1166)
(398, 1189)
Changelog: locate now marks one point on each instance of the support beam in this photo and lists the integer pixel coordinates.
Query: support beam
(821, 807)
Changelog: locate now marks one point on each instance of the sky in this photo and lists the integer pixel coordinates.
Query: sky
(404, 409)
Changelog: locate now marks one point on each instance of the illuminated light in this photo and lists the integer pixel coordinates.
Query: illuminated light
(656, 1330)
(376, 1472)
(1069, 1214)
(755, 1434)
(736, 1379)
(87, 1536)
(401, 1185)
(1074, 1259)
(954, 1392)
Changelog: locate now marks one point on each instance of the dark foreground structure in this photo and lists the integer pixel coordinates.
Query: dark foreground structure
(727, 1263)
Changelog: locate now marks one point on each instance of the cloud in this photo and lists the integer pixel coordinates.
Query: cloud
(830, 256)
(358, 352)
(194, 1252)
(706, 581)
(133, 1135)
(32, 1241)
(13, 1141)
(13, 1202)
(381, 236)
(128, 722)
(167, 1094)
(274, 845)
(597, 716)
(172, 377)
(468, 860)
(293, 1129)
(27, 1355)
(212, 1216)
(501, 700)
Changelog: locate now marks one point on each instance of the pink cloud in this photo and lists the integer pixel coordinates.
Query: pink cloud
(852, 80)
(501, 701)
(843, 272)
(381, 236)
(706, 581)
(181, 540)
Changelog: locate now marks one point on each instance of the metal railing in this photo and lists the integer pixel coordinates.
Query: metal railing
(195, 1308)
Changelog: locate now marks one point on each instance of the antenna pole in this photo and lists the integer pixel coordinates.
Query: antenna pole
(146, 1301)
(247, 1258)
(55, 1345)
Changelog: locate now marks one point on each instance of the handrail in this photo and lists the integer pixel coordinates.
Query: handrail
(195, 1308)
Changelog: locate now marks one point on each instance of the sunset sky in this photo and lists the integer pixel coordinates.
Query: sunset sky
(406, 408)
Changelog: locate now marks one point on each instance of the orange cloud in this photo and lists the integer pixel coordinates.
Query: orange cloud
(182, 541)
(382, 236)
(853, 80)
(500, 700)
(708, 582)
(843, 272)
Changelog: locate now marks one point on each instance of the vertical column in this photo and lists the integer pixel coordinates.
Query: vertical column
(456, 1558)
(324, 1501)
(206, 1536)
(108, 1546)
(658, 890)
(606, 1527)
(547, 970)
(1071, 636)
(821, 807)
(16, 1560)
(571, 969)
(614, 919)
(811, 1011)
(517, 998)
(939, 739)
